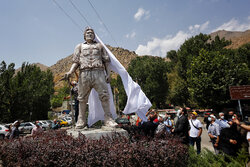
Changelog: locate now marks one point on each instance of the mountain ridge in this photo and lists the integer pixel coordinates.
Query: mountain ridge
(238, 38)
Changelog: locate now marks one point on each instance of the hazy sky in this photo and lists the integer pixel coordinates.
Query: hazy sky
(38, 31)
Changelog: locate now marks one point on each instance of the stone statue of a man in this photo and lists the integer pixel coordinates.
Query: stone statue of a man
(93, 62)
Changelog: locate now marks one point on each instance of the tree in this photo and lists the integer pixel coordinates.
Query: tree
(172, 56)
(151, 74)
(6, 74)
(177, 90)
(244, 54)
(122, 97)
(57, 99)
(188, 51)
(31, 91)
(211, 74)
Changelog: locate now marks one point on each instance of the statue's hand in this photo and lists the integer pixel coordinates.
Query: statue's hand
(108, 79)
(67, 75)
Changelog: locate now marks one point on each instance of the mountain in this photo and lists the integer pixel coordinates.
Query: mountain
(62, 66)
(238, 38)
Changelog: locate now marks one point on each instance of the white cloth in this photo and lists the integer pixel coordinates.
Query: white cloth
(193, 131)
(248, 135)
(137, 102)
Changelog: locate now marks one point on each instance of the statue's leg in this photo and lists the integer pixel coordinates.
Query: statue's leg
(108, 121)
(83, 94)
(81, 121)
(102, 88)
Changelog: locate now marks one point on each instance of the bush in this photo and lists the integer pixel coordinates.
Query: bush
(209, 159)
(56, 148)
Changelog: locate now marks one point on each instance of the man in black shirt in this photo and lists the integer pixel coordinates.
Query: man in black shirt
(230, 140)
(74, 92)
(182, 126)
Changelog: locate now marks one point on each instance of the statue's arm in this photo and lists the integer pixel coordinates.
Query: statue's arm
(76, 57)
(73, 68)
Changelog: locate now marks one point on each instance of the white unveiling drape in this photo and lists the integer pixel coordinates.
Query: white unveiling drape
(137, 102)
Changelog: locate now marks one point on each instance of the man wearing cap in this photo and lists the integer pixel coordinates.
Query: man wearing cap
(195, 132)
(214, 132)
(37, 129)
(93, 62)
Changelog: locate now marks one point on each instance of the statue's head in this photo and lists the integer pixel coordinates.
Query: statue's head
(89, 34)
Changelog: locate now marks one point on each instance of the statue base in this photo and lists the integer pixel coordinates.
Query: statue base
(93, 133)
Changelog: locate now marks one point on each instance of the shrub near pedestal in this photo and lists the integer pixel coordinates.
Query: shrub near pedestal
(56, 148)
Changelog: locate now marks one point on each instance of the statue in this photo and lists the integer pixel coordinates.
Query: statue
(93, 62)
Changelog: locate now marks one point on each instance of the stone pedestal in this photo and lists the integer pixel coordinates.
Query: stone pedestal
(92, 133)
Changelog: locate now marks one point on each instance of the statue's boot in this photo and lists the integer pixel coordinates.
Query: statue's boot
(81, 121)
(108, 121)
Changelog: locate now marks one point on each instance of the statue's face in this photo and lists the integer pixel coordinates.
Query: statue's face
(89, 35)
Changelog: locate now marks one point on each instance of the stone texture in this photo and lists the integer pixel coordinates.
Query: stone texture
(92, 133)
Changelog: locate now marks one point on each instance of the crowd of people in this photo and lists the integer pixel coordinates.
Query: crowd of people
(227, 134)
(14, 132)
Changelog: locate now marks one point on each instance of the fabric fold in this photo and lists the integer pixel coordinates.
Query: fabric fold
(137, 102)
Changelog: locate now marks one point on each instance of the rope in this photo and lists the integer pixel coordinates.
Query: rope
(72, 20)
(85, 19)
(102, 22)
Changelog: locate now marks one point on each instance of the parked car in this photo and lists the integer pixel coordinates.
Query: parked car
(44, 124)
(63, 123)
(26, 127)
(3, 131)
(49, 122)
(69, 120)
(122, 121)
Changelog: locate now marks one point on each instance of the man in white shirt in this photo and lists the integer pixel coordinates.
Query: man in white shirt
(195, 132)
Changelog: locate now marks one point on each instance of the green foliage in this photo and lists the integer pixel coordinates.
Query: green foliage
(6, 74)
(119, 92)
(189, 49)
(57, 99)
(151, 74)
(204, 70)
(244, 54)
(172, 55)
(51, 115)
(27, 92)
(179, 92)
(211, 74)
(209, 159)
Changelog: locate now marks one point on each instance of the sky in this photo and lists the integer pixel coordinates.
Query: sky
(38, 31)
